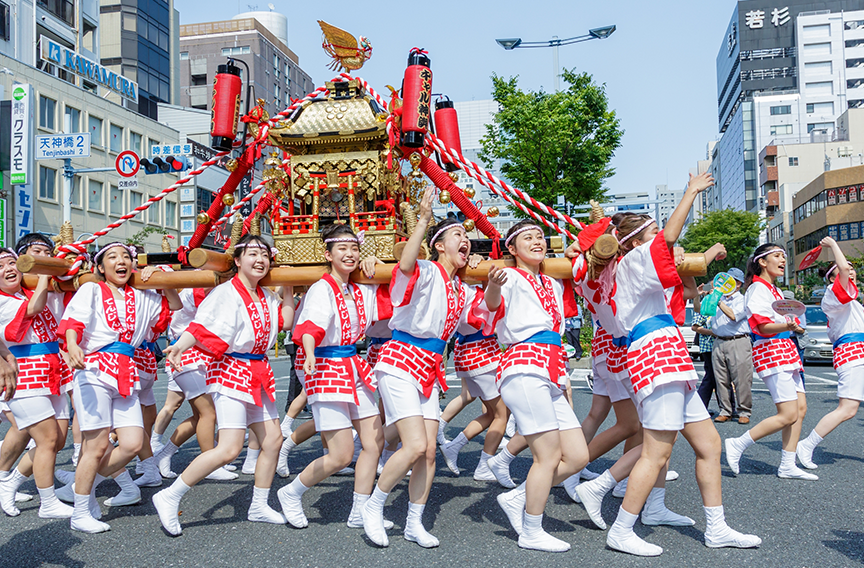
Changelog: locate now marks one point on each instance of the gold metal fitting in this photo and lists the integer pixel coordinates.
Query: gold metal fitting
(469, 192)
(203, 218)
(492, 212)
(444, 196)
(228, 199)
(468, 224)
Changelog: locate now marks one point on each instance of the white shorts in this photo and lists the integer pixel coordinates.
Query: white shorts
(537, 404)
(237, 414)
(402, 399)
(34, 409)
(483, 386)
(670, 407)
(851, 383)
(145, 395)
(337, 415)
(172, 384)
(606, 385)
(191, 383)
(100, 406)
(784, 386)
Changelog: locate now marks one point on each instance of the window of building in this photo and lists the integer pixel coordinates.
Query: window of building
(817, 48)
(170, 214)
(184, 55)
(820, 108)
(116, 141)
(130, 23)
(63, 9)
(198, 80)
(47, 112)
(115, 203)
(854, 83)
(5, 34)
(857, 103)
(854, 25)
(819, 88)
(94, 196)
(94, 126)
(820, 126)
(135, 200)
(817, 30)
(237, 50)
(816, 67)
(88, 31)
(135, 142)
(75, 199)
(850, 43)
(793, 161)
(71, 120)
(152, 213)
(855, 63)
(781, 129)
(783, 109)
(47, 183)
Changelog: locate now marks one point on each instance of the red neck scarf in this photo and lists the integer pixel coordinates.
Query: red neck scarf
(546, 295)
(125, 329)
(455, 302)
(261, 329)
(342, 310)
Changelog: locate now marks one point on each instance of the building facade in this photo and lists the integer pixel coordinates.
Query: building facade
(783, 69)
(275, 70)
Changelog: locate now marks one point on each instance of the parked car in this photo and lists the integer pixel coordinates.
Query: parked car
(815, 343)
(687, 331)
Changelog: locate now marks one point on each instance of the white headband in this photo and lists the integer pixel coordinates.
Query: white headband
(271, 250)
(359, 239)
(769, 251)
(9, 253)
(133, 252)
(827, 274)
(442, 230)
(522, 230)
(641, 228)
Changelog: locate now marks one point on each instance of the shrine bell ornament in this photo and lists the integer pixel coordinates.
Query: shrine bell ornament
(226, 107)
(416, 99)
(447, 130)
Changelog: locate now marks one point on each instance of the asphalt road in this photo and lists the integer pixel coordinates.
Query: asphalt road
(801, 523)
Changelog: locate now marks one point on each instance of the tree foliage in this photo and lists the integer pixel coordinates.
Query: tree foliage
(140, 237)
(553, 144)
(737, 230)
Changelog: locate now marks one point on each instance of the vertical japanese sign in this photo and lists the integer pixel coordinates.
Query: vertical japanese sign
(2, 222)
(22, 123)
(243, 190)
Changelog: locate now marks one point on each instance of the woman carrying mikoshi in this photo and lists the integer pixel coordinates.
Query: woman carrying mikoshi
(238, 323)
(40, 407)
(428, 303)
(339, 384)
(663, 379)
(846, 332)
(528, 316)
(103, 324)
(776, 361)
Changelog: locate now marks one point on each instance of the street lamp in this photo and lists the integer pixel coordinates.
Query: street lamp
(516, 42)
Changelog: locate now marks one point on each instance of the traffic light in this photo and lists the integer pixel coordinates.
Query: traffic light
(168, 164)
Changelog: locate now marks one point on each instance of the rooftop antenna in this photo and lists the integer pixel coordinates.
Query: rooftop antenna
(272, 7)
(251, 7)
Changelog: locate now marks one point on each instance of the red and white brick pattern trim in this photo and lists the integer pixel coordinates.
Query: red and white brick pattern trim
(770, 356)
(476, 357)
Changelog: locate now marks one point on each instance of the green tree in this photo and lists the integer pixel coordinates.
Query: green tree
(553, 144)
(138, 238)
(737, 230)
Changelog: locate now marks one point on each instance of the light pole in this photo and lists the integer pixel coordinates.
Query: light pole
(517, 43)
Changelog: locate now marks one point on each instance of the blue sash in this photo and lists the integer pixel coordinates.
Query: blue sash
(756, 337)
(336, 351)
(474, 337)
(35, 349)
(545, 337)
(432, 344)
(378, 340)
(119, 347)
(149, 346)
(645, 327)
(848, 338)
(249, 356)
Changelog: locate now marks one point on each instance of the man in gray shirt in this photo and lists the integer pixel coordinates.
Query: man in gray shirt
(732, 356)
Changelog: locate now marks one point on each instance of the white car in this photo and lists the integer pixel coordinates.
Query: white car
(690, 336)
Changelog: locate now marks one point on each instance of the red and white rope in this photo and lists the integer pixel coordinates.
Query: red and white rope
(479, 173)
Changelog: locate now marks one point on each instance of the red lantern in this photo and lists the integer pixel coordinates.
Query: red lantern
(416, 98)
(447, 130)
(226, 106)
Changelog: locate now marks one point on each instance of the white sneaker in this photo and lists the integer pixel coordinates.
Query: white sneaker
(416, 532)
(64, 477)
(620, 489)
(513, 504)
(292, 508)
(451, 457)
(54, 509)
(483, 473)
(732, 539)
(249, 466)
(440, 437)
(152, 477)
(543, 541)
(230, 467)
(504, 441)
(168, 512)
(355, 520)
(592, 500)
(373, 525)
(734, 451)
(264, 514)
(127, 496)
(66, 493)
(88, 524)
(627, 541)
(588, 475)
(139, 466)
(22, 497)
(222, 474)
(796, 472)
(570, 484)
(501, 471)
(805, 455)
(663, 516)
(511, 427)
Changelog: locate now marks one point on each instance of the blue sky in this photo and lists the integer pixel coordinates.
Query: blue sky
(658, 67)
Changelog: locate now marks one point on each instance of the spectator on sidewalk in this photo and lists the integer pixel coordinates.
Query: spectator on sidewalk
(572, 331)
(732, 356)
(702, 327)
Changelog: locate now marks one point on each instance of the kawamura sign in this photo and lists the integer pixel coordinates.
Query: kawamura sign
(66, 59)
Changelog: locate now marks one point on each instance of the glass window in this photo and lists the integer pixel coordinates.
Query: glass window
(781, 129)
(116, 140)
(793, 161)
(784, 109)
(4, 22)
(94, 126)
(47, 109)
(820, 126)
(47, 183)
(76, 192)
(184, 55)
(152, 213)
(135, 142)
(71, 120)
(135, 200)
(116, 203)
(94, 195)
(170, 214)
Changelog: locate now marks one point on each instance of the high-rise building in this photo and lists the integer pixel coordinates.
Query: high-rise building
(257, 39)
(140, 40)
(783, 69)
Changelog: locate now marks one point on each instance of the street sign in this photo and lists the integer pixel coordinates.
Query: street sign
(21, 137)
(128, 183)
(127, 163)
(170, 150)
(62, 146)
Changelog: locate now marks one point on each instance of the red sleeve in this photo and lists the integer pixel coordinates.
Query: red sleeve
(67, 297)
(843, 295)
(664, 264)
(19, 325)
(490, 326)
(756, 320)
(384, 305)
(66, 325)
(164, 318)
(212, 342)
(571, 308)
(476, 315)
(281, 317)
(198, 295)
(677, 305)
(307, 327)
(409, 290)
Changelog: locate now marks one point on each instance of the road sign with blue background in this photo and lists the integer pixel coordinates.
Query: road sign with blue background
(62, 146)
